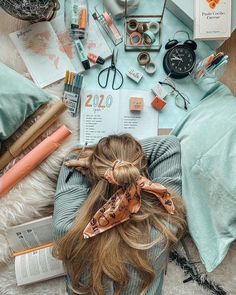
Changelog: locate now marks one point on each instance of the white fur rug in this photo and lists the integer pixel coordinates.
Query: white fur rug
(35, 193)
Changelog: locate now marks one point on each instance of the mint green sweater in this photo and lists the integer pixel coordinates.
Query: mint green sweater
(163, 154)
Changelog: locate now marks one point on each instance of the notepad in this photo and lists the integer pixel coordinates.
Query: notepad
(106, 112)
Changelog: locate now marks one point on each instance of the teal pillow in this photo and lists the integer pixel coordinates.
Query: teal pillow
(19, 98)
(208, 157)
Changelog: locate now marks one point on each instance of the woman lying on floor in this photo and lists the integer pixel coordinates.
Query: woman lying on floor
(115, 219)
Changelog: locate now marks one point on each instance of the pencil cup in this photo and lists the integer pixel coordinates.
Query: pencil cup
(203, 76)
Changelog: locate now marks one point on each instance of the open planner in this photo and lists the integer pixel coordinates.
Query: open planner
(106, 112)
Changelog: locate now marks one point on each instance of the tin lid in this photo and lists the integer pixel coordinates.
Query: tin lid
(142, 8)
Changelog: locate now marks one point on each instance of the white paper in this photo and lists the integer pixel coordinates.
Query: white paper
(95, 42)
(106, 112)
(37, 266)
(42, 53)
(31, 234)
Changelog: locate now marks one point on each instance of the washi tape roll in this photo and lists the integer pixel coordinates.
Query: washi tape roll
(136, 39)
(132, 26)
(142, 27)
(149, 37)
(154, 27)
(143, 58)
(150, 68)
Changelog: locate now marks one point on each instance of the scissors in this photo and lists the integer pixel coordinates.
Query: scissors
(116, 74)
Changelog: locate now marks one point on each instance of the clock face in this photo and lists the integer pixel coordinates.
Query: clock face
(179, 61)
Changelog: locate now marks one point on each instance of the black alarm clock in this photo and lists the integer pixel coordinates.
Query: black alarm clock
(179, 59)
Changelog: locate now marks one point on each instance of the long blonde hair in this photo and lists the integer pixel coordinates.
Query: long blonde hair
(109, 254)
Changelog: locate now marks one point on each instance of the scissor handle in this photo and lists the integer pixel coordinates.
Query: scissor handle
(107, 78)
(114, 78)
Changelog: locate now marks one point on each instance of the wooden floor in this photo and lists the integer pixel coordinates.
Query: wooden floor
(229, 47)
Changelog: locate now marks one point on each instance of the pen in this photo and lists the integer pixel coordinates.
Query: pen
(73, 169)
(32, 249)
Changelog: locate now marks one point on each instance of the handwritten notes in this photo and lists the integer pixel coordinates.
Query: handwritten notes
(105, 112)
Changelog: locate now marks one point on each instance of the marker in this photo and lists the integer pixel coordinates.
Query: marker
(83, 19)
(66, 80)
(96, 59)
(74, 15)
(81, 53)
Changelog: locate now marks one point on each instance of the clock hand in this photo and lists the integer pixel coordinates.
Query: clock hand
(179, 57)
(175, 58)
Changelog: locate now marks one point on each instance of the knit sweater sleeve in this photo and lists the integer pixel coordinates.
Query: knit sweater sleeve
(68, 199)
(164, 162)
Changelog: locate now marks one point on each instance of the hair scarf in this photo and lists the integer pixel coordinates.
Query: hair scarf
(125, 202)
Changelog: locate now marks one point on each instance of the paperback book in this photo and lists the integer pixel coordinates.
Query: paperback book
(31, 244)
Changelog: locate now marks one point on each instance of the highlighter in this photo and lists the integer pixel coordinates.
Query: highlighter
(96, 59)
(83, 19)
(82, 55)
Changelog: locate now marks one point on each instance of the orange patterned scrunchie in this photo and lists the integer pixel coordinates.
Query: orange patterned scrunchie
(125, 202)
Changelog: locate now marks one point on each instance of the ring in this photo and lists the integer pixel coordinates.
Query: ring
(143, 58)
(132, 26)
(154, 27)
(149, 37)
(150, 68)
(135, 39)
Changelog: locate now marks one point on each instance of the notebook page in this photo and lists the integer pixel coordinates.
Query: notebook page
(141, 124)
(99, 114)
